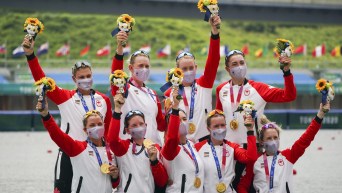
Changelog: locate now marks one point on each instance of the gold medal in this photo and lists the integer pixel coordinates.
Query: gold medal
(192, 128)
(197, 182)
(221, 187)
(168, 103)
(148, 143)
(234, 124)
(105, 168)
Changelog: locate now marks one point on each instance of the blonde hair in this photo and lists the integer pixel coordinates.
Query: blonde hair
(264, 121)
(90, 114)
(185, 57)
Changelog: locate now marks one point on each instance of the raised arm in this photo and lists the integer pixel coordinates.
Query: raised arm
(117, 145)
(108, 113)
(65, 142)
(158, 170)
(298, 148)
(161, 124)
(171, 148)
(213, 60)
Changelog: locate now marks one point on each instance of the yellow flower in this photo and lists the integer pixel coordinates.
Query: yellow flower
(35, 22)
(321, 84)
(178, 73)
(120, 74)
(125, 18)
(247, 102)
(47, 81)
(200, 6)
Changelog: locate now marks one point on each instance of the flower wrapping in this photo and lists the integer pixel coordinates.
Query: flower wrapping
(43, 86)
(33, 27)
(174, 78)
(247, 106)
(284, 48)
(210, 7)
(119, 79)
(326, 88)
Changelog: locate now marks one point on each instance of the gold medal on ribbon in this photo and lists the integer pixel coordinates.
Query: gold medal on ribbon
(105, 168)
(168, 103)
(221, 187)
(148, 143)
(234, 124)
(192, 128)
(197, 182)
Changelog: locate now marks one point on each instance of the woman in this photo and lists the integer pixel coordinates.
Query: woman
(92, 161)
(276, 176)
(140, 168)
(182, 162)
(139, 97)
(219, 155)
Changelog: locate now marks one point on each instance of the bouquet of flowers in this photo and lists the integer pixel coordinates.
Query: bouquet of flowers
(43, 86)
(284, 48)
(247, 106)
(119, 78)
(210, 7)
(174, 78)
(326, 88)
(33, 27)
(124, 23)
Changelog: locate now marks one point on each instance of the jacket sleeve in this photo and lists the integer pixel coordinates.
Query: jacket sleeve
(171, 148)
(277, 95)
(71, 147)
(117, 64)
(115, 183)
(108, 113)
(159, 172)
(218, 100)
(247, 179)
(59, 95)
(208, 78)
(249, 155)
(298, 148)
(161, 124)
(117, 145)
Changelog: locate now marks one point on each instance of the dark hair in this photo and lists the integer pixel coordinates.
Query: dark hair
(167, 116)
(233, 53)
(132, 114)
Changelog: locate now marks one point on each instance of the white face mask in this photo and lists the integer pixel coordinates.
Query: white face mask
(239, 72)
(271, 147)
(138, 132)
(183, 128)
(219, 134)
(84, 84)
(96, 132)
(189, 76)
(141, 74)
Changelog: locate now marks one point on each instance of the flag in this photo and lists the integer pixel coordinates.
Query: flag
(146, 48)
(19, 51)
(224, 51)
(43, 49)
(245, 49)
(105, 51)
(300, 50)
(336, 51)
(127, 50)
(163, 52)
(258, 53)
(319, 51)
(63, 51)
(85, 51)
(3, 49)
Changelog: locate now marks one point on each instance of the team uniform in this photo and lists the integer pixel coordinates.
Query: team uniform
(143, 99)
(197, 98)
(229, 96)
(219, 163)
(137, 173)
(280, 166)
(72, 110)
(86, 160)
(182, 162)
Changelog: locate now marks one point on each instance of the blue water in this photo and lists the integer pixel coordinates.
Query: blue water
(26, 165)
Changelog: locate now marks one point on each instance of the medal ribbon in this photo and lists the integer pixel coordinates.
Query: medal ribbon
(83, 101)
(233, 103)
(270, 175)
(224, 151)
(192, 102)
(96, 152)
(149, 92)
(192, 156)
(109, 155)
